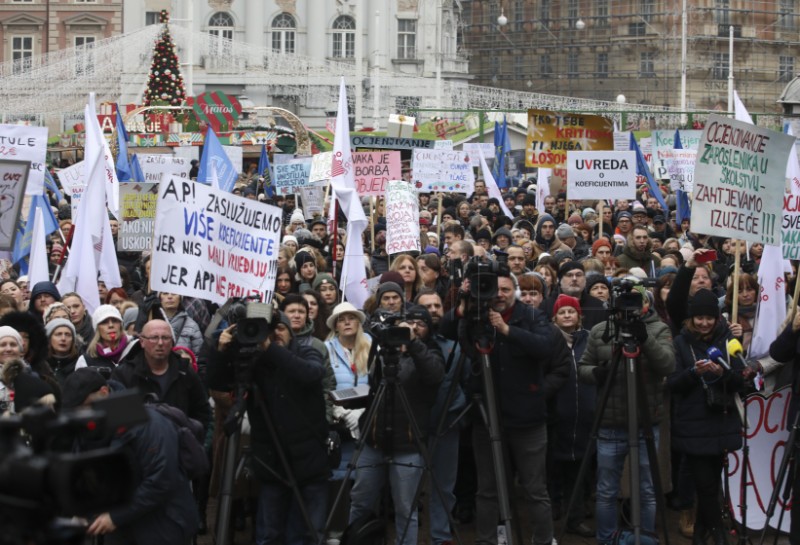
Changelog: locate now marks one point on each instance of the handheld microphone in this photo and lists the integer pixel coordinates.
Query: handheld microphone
(736, 350)
(715, 354)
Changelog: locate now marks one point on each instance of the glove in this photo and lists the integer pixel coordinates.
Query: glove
(350, 419)
(639, 331)
(600, 375)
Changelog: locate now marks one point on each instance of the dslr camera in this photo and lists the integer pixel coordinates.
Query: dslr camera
(253, 319)
(386, 331)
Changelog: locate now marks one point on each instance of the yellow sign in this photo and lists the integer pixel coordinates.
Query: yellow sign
(552, 134)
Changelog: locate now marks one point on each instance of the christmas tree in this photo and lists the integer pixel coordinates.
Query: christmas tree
(165, 84)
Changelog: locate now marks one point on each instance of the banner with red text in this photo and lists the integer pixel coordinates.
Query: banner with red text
(372, 169)
(552, 134)
(402, 218)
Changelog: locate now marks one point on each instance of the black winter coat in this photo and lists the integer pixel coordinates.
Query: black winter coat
(574, 407)
(786, 349)
(696, 429)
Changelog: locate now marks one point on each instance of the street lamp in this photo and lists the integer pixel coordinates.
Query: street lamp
(621, 99)
(579, 24)
(502, 20)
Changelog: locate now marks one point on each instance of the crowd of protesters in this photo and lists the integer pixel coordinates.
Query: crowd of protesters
(551, 359)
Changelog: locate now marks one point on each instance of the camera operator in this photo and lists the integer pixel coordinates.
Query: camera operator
(289, 377)
(419, 370)
(657, 360)
(529, 362)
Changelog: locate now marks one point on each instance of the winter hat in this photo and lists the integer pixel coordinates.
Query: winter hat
(588, 212)
(289, 238)
(30, 389)
(665, 270)
(324, 278)
(638, 272)
(301, 258)
(565, 231)
(483, 234)
(284, 319)
(8, 331)
(568, 266)
(52, 325)
(129, 317)
(575, 219)
(51, 308)
(529, 200)
(418, 312)
(560, 255)
(431, 250)
(343, 308)
(592, 279)
(600, 242)
(502, 232)
(103, 313)
(392, 276)
(45, 287)
(297, 217)
(79, 385)
(386, 287)
(624, 214)
(565, 300)
(704, 303)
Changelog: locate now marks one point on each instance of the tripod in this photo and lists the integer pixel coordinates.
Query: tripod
(787, 468)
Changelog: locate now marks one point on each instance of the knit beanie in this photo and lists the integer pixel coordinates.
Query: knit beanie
(602, 241)
(703, 303)
(565, 300)
(54, 324)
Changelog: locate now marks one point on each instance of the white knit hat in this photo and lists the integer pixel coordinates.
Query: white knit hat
(103, 313)
(297, 217)
(8, 331)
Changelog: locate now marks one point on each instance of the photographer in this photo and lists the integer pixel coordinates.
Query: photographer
(289, 377)
(419, 369)
(529, 363)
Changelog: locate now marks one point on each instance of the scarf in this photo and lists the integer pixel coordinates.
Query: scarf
(113, 354)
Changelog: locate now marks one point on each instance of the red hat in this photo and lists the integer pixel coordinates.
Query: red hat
(564, 300)
(602, 241)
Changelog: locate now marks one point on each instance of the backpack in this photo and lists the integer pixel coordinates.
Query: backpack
(191, 452)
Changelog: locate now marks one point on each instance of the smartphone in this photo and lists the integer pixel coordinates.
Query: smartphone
(705, 257)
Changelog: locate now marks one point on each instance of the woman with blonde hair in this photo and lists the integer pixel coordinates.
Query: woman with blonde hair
(409, 269)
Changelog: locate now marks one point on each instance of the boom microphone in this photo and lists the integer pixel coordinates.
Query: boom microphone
(715, 354)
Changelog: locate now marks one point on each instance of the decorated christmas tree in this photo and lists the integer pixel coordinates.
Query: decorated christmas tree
(165, 84)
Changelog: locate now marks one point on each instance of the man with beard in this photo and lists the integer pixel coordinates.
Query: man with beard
(638, 252)
(572, 282)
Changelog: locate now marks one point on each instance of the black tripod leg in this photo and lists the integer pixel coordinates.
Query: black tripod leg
(785, 476)
(226, 488)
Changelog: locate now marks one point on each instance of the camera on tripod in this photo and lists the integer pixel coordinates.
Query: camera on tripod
(625, 301)
(253, 320)
(386, 331)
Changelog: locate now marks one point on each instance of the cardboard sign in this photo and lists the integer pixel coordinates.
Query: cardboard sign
(320, 167)
(601, 175)
(137, 206)
(680, 168)
(472, 150)
(159, 167)
(372, 170)
(292, 175)
(662, 143)
(313, 197)
(442, 170)
(402, 218)
(26, 143)
(212, 244)
(73, 180)
(552, 134)
(739, 181)
(13, 179)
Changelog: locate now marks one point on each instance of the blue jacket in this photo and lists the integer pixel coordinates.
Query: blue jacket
(343, 374)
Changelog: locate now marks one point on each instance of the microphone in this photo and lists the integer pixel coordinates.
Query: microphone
(736, 350)
(715, 354)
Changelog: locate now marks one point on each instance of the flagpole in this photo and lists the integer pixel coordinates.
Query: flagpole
(335, 235)
(736, 267)
(439, 221)
(63, 253)
(372, 220)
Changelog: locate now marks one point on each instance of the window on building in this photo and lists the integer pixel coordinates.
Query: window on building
(406, 38)
(151, 18)
(20, 1)
(344, 37)
(722, 13)
(637, 29)
(519, 67)
(84, 58)
(545, 66)
(647, 9)
(519, 14)
(785, 68)
(602, 65)
(85, 1)
(601, 12)
(283, 33)
(544, 12)
(786, 15)
(647, 63)
(572, 12)
(22, 53)
(572, 64)
(220, 26)
(720, 68)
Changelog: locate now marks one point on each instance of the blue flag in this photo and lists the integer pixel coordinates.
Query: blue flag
(214, 154)
(124, 172)
(684, 209)
(50, 183)
(136, 170)
(643, 170)
(265, 170)
(22, 242)
(501, 148)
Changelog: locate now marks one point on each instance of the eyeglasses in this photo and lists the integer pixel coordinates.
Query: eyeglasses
(157, 339)
(417, 323)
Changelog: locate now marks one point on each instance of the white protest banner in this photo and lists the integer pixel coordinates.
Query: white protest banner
(212, 244)
(790, 229)
(663, 141)
(313, 197)
(372, 169)
(443, 144)
(73, 180)
(13, 177)
(601, 175)
(187, 152)
(159, 167)
(26, 143)
(235, 154)
(739, 181)
(137, 206)
(442, 171)
(320, 167)
(292, 175)
(472, 149)
(622, 140)
(766, 435)
(402, 218)
(680, 168)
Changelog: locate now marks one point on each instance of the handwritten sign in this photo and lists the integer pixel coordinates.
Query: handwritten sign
(372, 170)
(159, 167)
(73, 180)
(601, 175)
(292, 175)
(313, 197)
(662, 143)
(552, 134)
(26, 143)
(680, 168)
(622, 140)
(212, 244)
(137, 205)
(739, 181)
(790, 228)
(472, 149)
(13, 178)
(442, 170)
(402, 218)
(320, 167)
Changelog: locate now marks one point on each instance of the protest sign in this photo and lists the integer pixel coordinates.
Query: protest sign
(552, 134)
(26, 143)
(680, 168)
(662, 142)
(320, 167)
(212, 244)
(389, 142)
(313, 197)
(137, 204)
(790, 228)
(766, 434)
(73, 180)
(739, 181)
(291, 175)
(13, 179)
(472, 150)
(371, 171)
(402, 218)
(442, 170)
(443, 144)
(235, 154)
(187, 152)
(601, 175)
(159, 167)
(622, 140)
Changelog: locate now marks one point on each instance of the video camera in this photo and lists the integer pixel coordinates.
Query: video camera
(253, 320)
(625, 302)
(386, 331)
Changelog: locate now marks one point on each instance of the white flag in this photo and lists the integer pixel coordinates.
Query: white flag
(740, 112)
(92, 249)
(38, 268)
(491, 185)
(543, 188)
(771, 310)
(343, 188)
